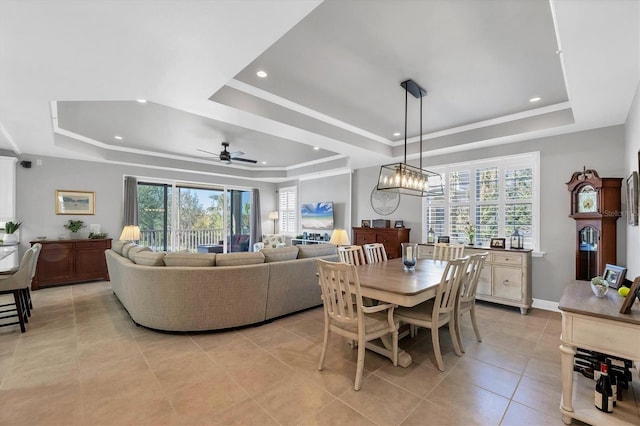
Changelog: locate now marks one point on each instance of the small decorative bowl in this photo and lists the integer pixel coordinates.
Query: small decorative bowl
(599, 286)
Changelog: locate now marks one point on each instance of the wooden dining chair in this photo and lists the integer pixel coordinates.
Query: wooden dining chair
(353, 255)
(439, 311)
(375, 252)
(345, 314)
(446, 251)
(14, 284)
(468, 287)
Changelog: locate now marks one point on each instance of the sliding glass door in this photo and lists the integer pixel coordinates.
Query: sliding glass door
(204, 219)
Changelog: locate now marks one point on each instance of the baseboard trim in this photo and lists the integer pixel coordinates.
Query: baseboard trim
(547, 305)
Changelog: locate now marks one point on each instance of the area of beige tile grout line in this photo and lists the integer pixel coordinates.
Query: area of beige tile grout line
(83, 361)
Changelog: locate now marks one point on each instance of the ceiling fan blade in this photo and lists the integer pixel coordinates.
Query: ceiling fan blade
(208, 152)
(236, 154)
(246, 160)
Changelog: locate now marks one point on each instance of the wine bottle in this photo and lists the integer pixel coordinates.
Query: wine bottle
(604, 393)
(614, 382)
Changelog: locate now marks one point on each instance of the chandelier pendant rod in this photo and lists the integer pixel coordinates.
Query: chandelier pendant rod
(406, 93)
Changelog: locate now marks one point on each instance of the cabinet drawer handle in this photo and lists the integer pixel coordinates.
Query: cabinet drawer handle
(505, 283)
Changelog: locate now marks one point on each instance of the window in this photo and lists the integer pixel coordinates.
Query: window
(288, 210)
(175, 216)
(495, 195)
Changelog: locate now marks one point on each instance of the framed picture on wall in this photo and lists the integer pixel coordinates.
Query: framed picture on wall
(632, 199)
(75, 202)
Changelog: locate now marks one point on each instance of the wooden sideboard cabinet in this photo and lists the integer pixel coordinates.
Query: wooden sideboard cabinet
(70, 261)
(505, 276)
(390, 237)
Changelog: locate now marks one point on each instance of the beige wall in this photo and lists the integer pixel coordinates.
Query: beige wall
(632, 163)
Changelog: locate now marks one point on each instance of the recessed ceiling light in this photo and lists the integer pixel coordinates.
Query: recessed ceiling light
(118, 137)
(261, 74)
(264, 162)
(142, 101)
(396, 134)
(535, 99)
(317, 148)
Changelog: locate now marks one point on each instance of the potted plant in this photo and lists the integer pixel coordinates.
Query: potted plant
(470, 230)
(10, 228)
(74, 225)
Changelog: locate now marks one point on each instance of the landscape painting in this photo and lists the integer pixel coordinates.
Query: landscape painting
(317, 215)
(75, 202)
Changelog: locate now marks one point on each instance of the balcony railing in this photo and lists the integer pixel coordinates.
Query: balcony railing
(181, 239)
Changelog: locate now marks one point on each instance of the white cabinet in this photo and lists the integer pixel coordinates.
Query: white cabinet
(505, 276)
(7, 188)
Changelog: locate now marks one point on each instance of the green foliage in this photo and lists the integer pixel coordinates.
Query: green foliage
(98, 235)
(11, 227)
(74, 225)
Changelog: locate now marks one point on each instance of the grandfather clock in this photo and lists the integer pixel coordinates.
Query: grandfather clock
(595, 206)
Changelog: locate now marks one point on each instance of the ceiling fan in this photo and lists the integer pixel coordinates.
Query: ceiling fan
(227, 157)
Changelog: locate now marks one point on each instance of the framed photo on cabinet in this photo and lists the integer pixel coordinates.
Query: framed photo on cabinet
(497, 243)
(614, 275)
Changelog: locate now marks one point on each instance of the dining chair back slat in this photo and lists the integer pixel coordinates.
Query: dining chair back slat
(375, 252)
(446, 251)
(352, 255)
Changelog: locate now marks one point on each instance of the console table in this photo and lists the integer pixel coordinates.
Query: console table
(70, 261)
(595, 323)
(505, 277)
(301, 241)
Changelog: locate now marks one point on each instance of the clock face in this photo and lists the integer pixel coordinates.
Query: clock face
(587, 200)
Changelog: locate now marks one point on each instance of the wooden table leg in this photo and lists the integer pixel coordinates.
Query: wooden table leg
(404, 359)
(566, 358)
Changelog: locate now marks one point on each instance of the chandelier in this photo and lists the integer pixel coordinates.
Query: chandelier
(402, 177)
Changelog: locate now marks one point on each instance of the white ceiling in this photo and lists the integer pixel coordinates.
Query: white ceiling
(71, 72)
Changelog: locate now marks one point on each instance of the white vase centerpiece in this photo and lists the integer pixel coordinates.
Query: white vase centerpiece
(10, 236)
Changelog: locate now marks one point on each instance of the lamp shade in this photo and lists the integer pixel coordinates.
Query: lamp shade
(340, 237)
(130, 233)
(273, 215)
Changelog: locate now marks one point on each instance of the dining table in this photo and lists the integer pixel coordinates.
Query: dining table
(388, 282)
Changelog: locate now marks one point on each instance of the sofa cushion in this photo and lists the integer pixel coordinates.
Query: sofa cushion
(117, 246)
(315, 250)
(190, 259)
(126, 247)
(279, 254)
(135, 250)
(241, 258)
(149, 258)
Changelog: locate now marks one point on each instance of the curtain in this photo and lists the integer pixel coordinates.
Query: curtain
(130, 216)
(256, 215)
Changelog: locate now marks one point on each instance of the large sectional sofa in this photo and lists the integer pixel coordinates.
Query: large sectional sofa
(207, 291)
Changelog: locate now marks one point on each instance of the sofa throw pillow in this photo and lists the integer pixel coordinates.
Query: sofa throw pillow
(190, 259)
(135, 250)
(238, 259)
(149, 258)
(315, 250)
(126, 248)
(117, 246)
(279, 254)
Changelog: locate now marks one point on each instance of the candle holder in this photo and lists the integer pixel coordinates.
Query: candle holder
(409, 256)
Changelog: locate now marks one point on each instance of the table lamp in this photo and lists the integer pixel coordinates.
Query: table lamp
(130, 233)
(340, 238)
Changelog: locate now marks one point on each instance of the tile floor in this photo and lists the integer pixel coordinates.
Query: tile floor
(83, 361)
